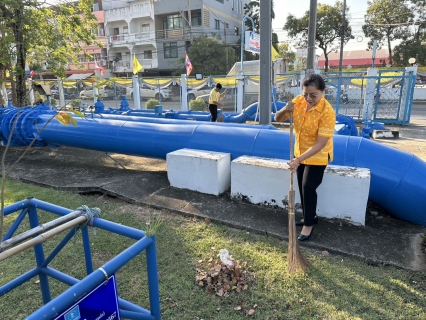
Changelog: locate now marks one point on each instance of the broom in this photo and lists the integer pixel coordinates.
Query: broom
(295, 260)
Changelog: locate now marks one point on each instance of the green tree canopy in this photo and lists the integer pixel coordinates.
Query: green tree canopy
(208, 56)
(43, 35)
(286, 53)
(385, 21)
(328, 28)
(252, 9)
(413, 44)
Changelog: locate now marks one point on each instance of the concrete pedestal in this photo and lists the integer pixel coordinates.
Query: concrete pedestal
(198, 170)
(343, 193)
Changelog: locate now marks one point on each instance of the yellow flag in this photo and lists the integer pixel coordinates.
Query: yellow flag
(136, 65)
(275, 54)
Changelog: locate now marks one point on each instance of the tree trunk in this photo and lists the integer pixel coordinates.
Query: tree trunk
(389, 50)
(326, 62)
(20, 64)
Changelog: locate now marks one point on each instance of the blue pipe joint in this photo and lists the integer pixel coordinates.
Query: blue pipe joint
(99, 106)
(124, 104)
(24, 133)
(170, 114)
(347, 126)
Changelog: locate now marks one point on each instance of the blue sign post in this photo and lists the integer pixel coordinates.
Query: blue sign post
(99, 304)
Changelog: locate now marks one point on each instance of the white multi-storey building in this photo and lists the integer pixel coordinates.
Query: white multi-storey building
(159, 32)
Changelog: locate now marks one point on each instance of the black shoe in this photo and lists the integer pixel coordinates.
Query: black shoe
(302, 237)
(301, 222)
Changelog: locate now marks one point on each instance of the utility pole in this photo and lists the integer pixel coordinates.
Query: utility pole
(311, 36)
(226, 48)
(189, 21)
(265, 62)
(342, 36)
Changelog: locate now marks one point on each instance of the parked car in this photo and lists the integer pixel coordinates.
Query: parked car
(69, 92)
(148, 93)
(193, 94)
(105, 92)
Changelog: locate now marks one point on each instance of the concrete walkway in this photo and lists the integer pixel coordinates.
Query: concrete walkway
(384, 240)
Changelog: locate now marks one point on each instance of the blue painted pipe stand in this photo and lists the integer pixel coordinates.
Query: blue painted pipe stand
(53, 307)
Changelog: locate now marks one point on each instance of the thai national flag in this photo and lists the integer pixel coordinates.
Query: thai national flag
(98, 67)
(188, 65)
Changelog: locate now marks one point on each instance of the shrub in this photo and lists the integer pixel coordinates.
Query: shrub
(150, 104)
(197, 105)
(75, 104)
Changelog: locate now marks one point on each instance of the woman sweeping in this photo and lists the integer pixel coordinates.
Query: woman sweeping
(314, 121)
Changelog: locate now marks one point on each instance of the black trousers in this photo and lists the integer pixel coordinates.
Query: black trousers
(213, 112)
(309, 178)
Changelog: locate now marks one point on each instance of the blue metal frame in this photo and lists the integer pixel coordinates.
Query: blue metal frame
(51, 307)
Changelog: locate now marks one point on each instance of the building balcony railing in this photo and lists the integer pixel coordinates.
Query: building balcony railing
(135, 38)
(172, 34)
(125, 12)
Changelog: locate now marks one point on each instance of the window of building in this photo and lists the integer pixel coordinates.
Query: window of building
(237, 31)
(101, 28)
(81, 58)
(95, 7)
(126, 30)
(233, 5)
(147, 54)
(221, 1)
(173, 21)
(226, 26)
(196, 19)
(118, 56)
(170, 50)
(240, 7)
(104, 54)
(145, 27)
(216, 24)
(116, 31)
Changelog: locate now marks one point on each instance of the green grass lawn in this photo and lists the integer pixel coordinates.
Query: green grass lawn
(334, 287)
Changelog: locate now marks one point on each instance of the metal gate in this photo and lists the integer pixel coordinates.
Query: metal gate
(391, 97)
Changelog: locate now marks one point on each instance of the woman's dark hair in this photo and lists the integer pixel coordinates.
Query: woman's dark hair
(219, 86)
(314, 80)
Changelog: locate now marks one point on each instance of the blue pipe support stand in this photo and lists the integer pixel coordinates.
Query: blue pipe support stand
(369, 127)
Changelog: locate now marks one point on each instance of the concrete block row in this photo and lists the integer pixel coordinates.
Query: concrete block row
(343, 193)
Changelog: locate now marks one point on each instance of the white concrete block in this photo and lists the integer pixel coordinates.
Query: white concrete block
(343, 193)
(199, 170)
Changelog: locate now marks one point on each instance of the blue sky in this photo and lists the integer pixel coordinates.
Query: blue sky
(357, 9)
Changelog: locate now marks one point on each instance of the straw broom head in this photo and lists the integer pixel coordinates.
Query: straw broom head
(295, 260)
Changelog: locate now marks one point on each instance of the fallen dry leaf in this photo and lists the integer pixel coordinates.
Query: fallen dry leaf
(250, 312)
(238, 308)
(325, 253)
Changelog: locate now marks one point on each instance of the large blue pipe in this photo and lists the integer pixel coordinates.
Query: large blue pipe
(248, 114)
(397, 177)
(173, 121)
